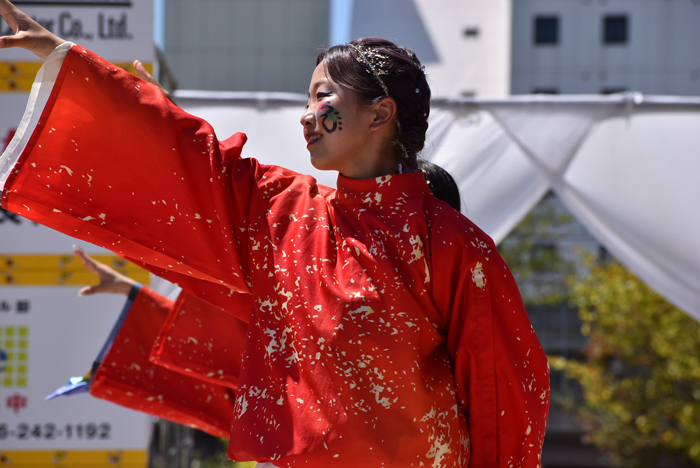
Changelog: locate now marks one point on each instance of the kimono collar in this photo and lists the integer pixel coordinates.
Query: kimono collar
(384, 188)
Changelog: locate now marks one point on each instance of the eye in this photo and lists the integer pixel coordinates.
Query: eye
(322, 95)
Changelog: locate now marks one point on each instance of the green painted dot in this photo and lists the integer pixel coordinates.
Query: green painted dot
(21, 357)
(10, 331)
(7, 382)
(23, 331)
(9, 344)
(21, 382)
(22, 344)
(21, 369)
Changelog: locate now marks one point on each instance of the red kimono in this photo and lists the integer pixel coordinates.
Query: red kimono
(369, 326)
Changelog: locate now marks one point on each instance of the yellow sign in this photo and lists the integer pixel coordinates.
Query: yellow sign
(19, 76)
(60, 270)
(74, 459)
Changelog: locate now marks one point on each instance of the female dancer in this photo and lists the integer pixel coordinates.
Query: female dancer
(376, 326)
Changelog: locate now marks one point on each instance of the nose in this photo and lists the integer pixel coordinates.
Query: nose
(308, 118)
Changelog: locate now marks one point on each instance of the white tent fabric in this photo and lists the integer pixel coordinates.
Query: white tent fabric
(625, 165)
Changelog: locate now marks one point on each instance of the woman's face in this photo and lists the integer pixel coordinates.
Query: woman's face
(336, 126)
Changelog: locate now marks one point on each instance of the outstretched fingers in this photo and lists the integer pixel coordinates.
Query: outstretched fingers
(110, 280)
(88, 262)
(144, 75)
(9, 13)
(28, 34)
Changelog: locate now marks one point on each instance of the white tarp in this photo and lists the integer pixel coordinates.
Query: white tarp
(625, 165)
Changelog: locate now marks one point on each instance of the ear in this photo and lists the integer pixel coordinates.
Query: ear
(384, 114)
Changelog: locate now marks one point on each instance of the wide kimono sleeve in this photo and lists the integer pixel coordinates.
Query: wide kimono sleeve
(501, 372)
(101, 155)
(203, 341)
(128, 376)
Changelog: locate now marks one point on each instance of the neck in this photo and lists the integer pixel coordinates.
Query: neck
(373, 162)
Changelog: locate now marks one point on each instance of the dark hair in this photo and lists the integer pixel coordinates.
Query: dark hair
(441, 184)
(404, 78)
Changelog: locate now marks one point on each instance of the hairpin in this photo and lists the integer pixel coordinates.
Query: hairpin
(375, 63)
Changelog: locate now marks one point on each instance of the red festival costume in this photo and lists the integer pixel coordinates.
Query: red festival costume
(368, 326)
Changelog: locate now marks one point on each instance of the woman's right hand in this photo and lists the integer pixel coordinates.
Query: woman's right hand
(144, 75)
(111, 281)
(29, 34)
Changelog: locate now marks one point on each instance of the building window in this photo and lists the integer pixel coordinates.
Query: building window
(617, 90)
(545, 91)
(546, 30)
(615, 29)
(471, 32)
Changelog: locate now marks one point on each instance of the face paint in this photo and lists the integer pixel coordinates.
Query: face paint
(330, 118)
(332, 107)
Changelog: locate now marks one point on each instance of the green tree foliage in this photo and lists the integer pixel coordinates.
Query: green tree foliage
(641, 372)
(533, 252)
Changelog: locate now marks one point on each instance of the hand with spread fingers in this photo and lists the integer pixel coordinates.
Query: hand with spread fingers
(111, 281)
(28, 34)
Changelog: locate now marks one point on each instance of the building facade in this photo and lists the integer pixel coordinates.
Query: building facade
(243, 45)
(271, 45)
(606, 46)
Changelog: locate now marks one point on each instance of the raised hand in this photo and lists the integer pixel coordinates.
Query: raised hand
(29, 34)
(110, 280)
(144, 75)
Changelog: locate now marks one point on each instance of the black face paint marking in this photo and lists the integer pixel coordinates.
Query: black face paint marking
(328, 114)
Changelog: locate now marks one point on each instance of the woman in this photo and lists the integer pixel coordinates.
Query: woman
(377, 326)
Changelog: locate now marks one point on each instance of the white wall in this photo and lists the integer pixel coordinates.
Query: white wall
(661, 56)
(475, 65)
(457, 65)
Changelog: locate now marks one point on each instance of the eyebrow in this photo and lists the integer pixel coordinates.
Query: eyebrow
(316, 84)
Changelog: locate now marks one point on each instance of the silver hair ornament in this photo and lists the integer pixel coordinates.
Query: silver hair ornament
(374, 63)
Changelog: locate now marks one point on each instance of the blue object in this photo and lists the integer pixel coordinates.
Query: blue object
(82, 384)
(75, 385)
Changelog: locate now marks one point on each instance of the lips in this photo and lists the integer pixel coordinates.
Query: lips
(312, 137)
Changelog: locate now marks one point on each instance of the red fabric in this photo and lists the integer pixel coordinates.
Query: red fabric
(384, 327)
(203, 341)
(77, 119)
(128, 378)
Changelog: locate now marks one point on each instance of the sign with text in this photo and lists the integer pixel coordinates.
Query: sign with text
(47, 333)
(119, 31)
